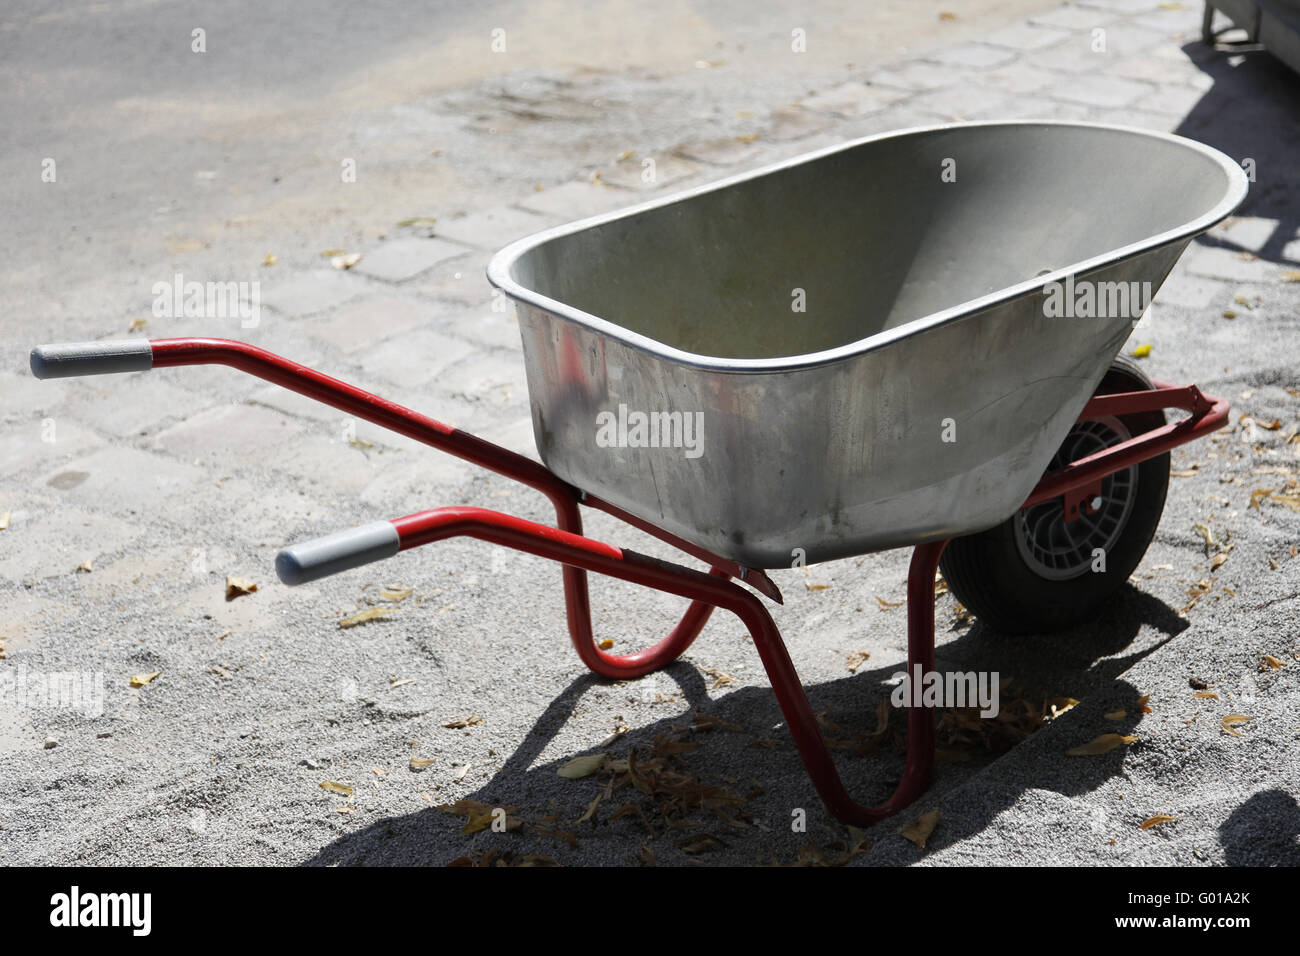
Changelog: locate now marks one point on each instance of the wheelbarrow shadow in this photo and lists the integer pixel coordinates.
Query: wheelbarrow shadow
(748, 752)
(1252, 112)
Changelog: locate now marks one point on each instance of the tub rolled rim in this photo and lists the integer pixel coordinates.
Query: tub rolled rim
(500, 265)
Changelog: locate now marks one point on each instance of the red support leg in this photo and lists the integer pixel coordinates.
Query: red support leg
(713, 590)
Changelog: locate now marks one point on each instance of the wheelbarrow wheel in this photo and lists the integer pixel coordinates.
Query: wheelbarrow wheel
(1038, 573)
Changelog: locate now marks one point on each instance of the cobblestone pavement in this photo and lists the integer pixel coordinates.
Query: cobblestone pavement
(127, 501)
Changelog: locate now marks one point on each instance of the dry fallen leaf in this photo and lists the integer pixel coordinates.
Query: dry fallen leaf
(605, 644)
(237, 586)
(137, 325)
(345, 261)
(591, 810)
(580, 767)
(1258, 495)
(1100, 745)
(1273, 662)
(270, 259)
(1234, 720)
(1142, 351)
(341, 788)
(394, 593)
(420, 763)
(1116, 715)
(920, 831)
(369, 614)
(139, 680)
(460, 723)
(1142, 703)
(700, 843)
(886, 605)
(419, 220)
(1155, 821)
(720, 678)
(1059, 705)
(1206, 694)
(86, 566)
(856, 659)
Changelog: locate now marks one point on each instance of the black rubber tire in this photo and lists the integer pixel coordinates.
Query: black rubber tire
(988, 574)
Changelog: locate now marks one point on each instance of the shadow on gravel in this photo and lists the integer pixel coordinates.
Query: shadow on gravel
(1253, 112)
(1263, 831)
(755, 753)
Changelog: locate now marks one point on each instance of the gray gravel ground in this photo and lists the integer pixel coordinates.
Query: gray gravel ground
(168, 482)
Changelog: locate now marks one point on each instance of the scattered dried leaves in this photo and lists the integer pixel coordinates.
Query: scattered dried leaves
(333, 786)
(139, 680)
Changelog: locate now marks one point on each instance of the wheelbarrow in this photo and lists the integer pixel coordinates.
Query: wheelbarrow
(909, 339)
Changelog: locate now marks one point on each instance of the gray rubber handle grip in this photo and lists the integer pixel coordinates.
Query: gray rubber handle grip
(91, 358)
(333, 553)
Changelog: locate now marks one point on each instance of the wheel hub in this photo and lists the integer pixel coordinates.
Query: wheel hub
(1057, 549)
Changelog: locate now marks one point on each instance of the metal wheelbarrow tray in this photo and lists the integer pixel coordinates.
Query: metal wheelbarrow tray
(904, 340)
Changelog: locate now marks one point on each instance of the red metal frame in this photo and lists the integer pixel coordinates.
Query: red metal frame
(578, 554)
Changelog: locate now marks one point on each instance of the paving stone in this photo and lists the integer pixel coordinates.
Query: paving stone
(1101, 91)
(54, 542)
(1018, 78)
(792, 124)
(724, 151)
(459, 282)
(312, 292)
(1121, 6)
(486, 327)
(1026, 36)
(853, 99)
(1226, 264)
(130, 405)
(1184, 20)
(1133, 117)
(415, 360)
(124, 480)
(1189, 292)
(42, 441)
(493, 228)
(1038, 107)
(1072, 18)
(1247, 232)
(23, 397)
(327, 468)
(975, 55)
(1129, 39)
(334, 425)
(1173, 100)
(228, 433)
(492, 380)
(962, 103)
(400, 259)
(1159, 71)
(366, 322)
(918, 76)
(668, 169)
(575, 200)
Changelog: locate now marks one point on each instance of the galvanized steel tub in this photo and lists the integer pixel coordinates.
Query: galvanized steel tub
(928, 380)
